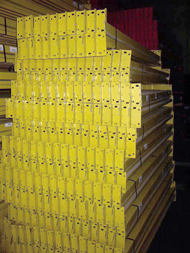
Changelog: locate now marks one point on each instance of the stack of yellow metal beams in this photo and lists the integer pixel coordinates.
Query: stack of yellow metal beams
(18, 8)
(3, 213)
(7, 42)
(89, 167)
(7, 56)
(8, 46)
(9, 12)
(5, 124)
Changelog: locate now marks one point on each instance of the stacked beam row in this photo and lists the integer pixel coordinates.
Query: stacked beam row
(7, 56)
(89, 149)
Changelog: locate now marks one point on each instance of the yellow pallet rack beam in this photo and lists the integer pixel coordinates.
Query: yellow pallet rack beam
(137, 208)
(3, 211)
(118, 40)
(7, 54)
(144, 222)
(152, 121)
(5, 125)
(153, 228)
(5, 85)
(7, 75)
(123, 42)
(13, 9)
(16, 232)
(90, 158)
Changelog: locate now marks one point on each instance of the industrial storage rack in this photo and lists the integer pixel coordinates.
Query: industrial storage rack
(89, 166)
(9, 12)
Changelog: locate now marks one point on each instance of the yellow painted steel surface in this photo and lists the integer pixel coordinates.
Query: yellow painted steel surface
(7, 75)
(7, 53)
(7, 57)
(157, 220)
(90, 160)
(18, 8)
(5, 85)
